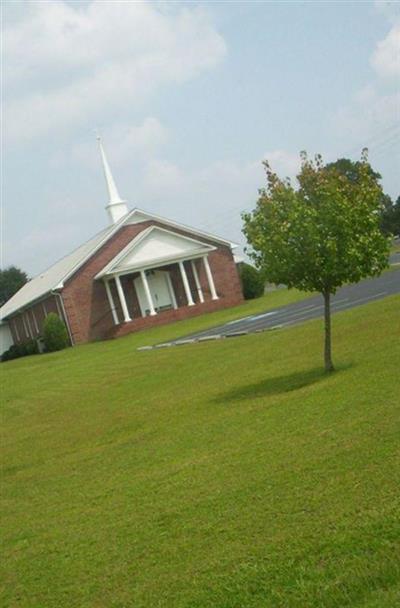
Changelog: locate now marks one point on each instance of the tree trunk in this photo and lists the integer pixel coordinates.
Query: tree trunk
(328, 346)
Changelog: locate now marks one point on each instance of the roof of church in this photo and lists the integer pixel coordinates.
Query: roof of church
(54, 277)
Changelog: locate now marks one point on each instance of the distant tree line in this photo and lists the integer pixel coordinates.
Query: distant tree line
(390, 223)
(389, 210)
(11, 280)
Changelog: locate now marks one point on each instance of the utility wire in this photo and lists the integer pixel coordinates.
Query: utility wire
(377, 144)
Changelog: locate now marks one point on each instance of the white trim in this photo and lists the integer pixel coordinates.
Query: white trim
(34, 321)
(108, 234)
(158, 265)
(59, 284)
(171, 290)
(136, 282)
(184, 227)
(64, 315)
(16, 328)
(171, 259)
(25, 325)
(111, 302)
(196, 280)
(58, 308)
(115, 227)
(214, 295)
(148, 293)
(29, 324)
(186, 284)
(122, 299)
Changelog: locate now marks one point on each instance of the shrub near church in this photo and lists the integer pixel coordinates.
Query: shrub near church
(55, 335)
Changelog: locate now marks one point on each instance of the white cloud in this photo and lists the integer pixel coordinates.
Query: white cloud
(143, 140)
(161, 177)
(284, 163)
(386, 57)
(68, 65)
(388, 8)
(123, 142)
(216, 185)
(370, 114)
(371, 117)
(211, 197)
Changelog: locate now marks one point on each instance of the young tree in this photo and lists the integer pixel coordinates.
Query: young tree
(11, 280)
(321, 235)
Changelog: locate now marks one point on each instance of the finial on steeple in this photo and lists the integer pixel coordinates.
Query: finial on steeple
(116, 207)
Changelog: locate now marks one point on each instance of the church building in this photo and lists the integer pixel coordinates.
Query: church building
(140, 271)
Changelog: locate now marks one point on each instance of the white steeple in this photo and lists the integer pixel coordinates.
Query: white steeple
(116, 207)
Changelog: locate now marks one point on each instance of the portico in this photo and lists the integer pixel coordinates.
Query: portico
(161, 270)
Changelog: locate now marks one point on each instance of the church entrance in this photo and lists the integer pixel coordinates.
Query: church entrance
(161, 289)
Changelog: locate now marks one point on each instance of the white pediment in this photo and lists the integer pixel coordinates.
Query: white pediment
(155, 246)
(137, 217)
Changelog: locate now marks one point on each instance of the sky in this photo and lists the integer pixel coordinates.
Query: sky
(189, 98)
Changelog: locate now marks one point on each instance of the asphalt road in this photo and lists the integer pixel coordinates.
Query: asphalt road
(395, 258)
(311, 308)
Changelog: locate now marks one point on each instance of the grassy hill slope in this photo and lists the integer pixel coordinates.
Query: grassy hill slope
(231, 474)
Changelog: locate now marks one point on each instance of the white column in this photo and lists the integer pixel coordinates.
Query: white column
(148, 293)
(186, 284)
(111, 302)
(24, 324)
(35, 321)
(210, 279)
(122, 300)
(196, 280)
(171, 291)
(44, 309)
(58, 308)
(16, 328)
(29, 325)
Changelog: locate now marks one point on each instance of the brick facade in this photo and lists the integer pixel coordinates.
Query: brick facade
(28, 325)
(169, 316)
(88, 309)
(86, 304)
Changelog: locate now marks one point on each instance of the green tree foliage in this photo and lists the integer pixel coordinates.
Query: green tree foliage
(390, 223)
(390, 213)
(55, 335)
(11, 280)
(321, 235)
(352, 170)
(253, 282)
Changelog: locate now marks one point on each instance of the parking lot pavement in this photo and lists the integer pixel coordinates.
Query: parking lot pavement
(347, 297)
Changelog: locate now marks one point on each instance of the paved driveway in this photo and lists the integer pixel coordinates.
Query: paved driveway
(395, 258)
(311, 308)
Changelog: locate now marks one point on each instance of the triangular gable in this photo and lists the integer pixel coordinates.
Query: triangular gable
(55, 276)
(138, 216)
(153, 247)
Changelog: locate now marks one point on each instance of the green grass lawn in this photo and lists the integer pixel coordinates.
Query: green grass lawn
(230, 474)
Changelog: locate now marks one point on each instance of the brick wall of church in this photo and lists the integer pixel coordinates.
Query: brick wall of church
(28, 325)
(86, 302)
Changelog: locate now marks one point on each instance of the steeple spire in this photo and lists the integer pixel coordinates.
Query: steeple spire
(116, 207)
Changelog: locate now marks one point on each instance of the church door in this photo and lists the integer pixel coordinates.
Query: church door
(161, 290)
